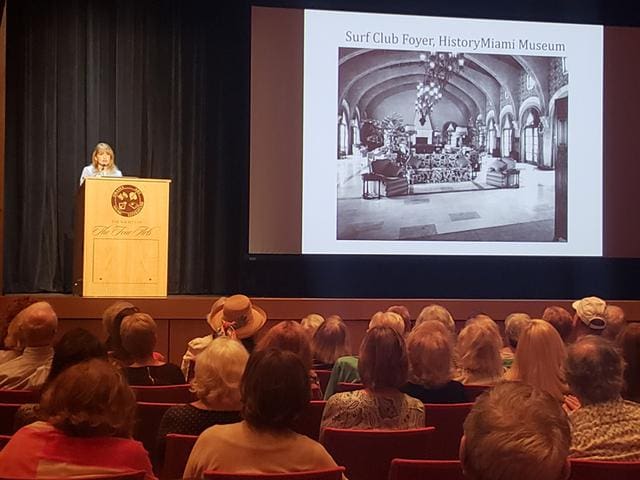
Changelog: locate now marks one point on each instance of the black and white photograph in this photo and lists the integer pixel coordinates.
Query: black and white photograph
(450, 146)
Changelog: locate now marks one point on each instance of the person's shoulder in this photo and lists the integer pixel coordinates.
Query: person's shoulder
(413, 402)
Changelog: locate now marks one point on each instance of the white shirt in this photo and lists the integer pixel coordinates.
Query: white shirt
(27, 371)
(90, 171)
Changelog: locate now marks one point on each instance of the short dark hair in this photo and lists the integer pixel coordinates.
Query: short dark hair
(629, 342)
(561, 320)
(275, 389)
(75, 346)
(383, 359)
(594, 370)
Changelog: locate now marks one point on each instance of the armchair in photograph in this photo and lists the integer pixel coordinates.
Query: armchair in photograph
(502, 173)
(391, 175)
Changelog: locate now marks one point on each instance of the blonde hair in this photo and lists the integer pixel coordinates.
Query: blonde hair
(430, 350)
(311, 323)
(138, 335)
(540, 358)
(387, 319)
(100, 148)
(478, 352)
(330, 342)
(438, 313)
(219, 370)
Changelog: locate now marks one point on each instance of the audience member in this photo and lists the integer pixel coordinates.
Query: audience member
(404, 313)
(383, 368)
(36, 327)
(199, 344)
(561, 320)
(513, 326)
(438, 313)
(345, 368)
(629, 342)
(330, 342)
(238, 318)
(90, 414)
(217, 386)
(430, 351)
(478, 354)
(109, 317)
(75, 346)
(590, 317)
(311, 323)
(515, 431)
(111, 322)
(10, 346)
(290, 335)
(604, 427)
(275, 391)
(138, 336)
(540, 359)
(615, 321)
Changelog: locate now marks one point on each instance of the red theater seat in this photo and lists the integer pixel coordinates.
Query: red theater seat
(448, 420)
(402, 469)
(164, 394)
(599, 470)
(330, 474)
(176, 453)
(367, 454)
(309, 421)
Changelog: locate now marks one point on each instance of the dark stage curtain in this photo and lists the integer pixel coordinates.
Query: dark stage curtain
(156, 80)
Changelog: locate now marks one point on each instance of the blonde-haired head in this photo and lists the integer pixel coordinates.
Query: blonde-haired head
(219, 370)
(387, 319)
(540, 358)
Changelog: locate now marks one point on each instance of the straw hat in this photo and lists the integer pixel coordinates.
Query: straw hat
(237, 313)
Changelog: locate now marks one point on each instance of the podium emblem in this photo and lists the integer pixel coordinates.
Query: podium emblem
(127, 200)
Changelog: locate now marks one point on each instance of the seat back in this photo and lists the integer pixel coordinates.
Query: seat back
(448, 420)
(148, 416)
(19, 396)
(323, 378)
(177, 449)
(309, 421)
(474, 391)
(139, 475)
(329, 474)
(164, 394)
(348, 387)
(402, 469)
(598, 470)
(367, 454)
(4, 439)
(7, 416)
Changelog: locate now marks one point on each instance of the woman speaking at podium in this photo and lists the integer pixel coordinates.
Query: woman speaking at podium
(103, 163)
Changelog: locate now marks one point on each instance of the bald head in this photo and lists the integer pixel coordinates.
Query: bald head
(37, 325)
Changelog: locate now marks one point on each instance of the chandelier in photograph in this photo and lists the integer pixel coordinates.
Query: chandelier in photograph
(438, 68)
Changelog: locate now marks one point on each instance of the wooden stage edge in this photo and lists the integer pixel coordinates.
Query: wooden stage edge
(192, 307)
(181, 318)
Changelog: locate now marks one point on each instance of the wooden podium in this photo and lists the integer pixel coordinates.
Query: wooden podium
(121, 237)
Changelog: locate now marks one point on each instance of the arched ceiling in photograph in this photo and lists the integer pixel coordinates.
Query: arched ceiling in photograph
(368, 77)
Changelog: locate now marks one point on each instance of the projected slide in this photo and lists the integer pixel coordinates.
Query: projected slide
(451, 136)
